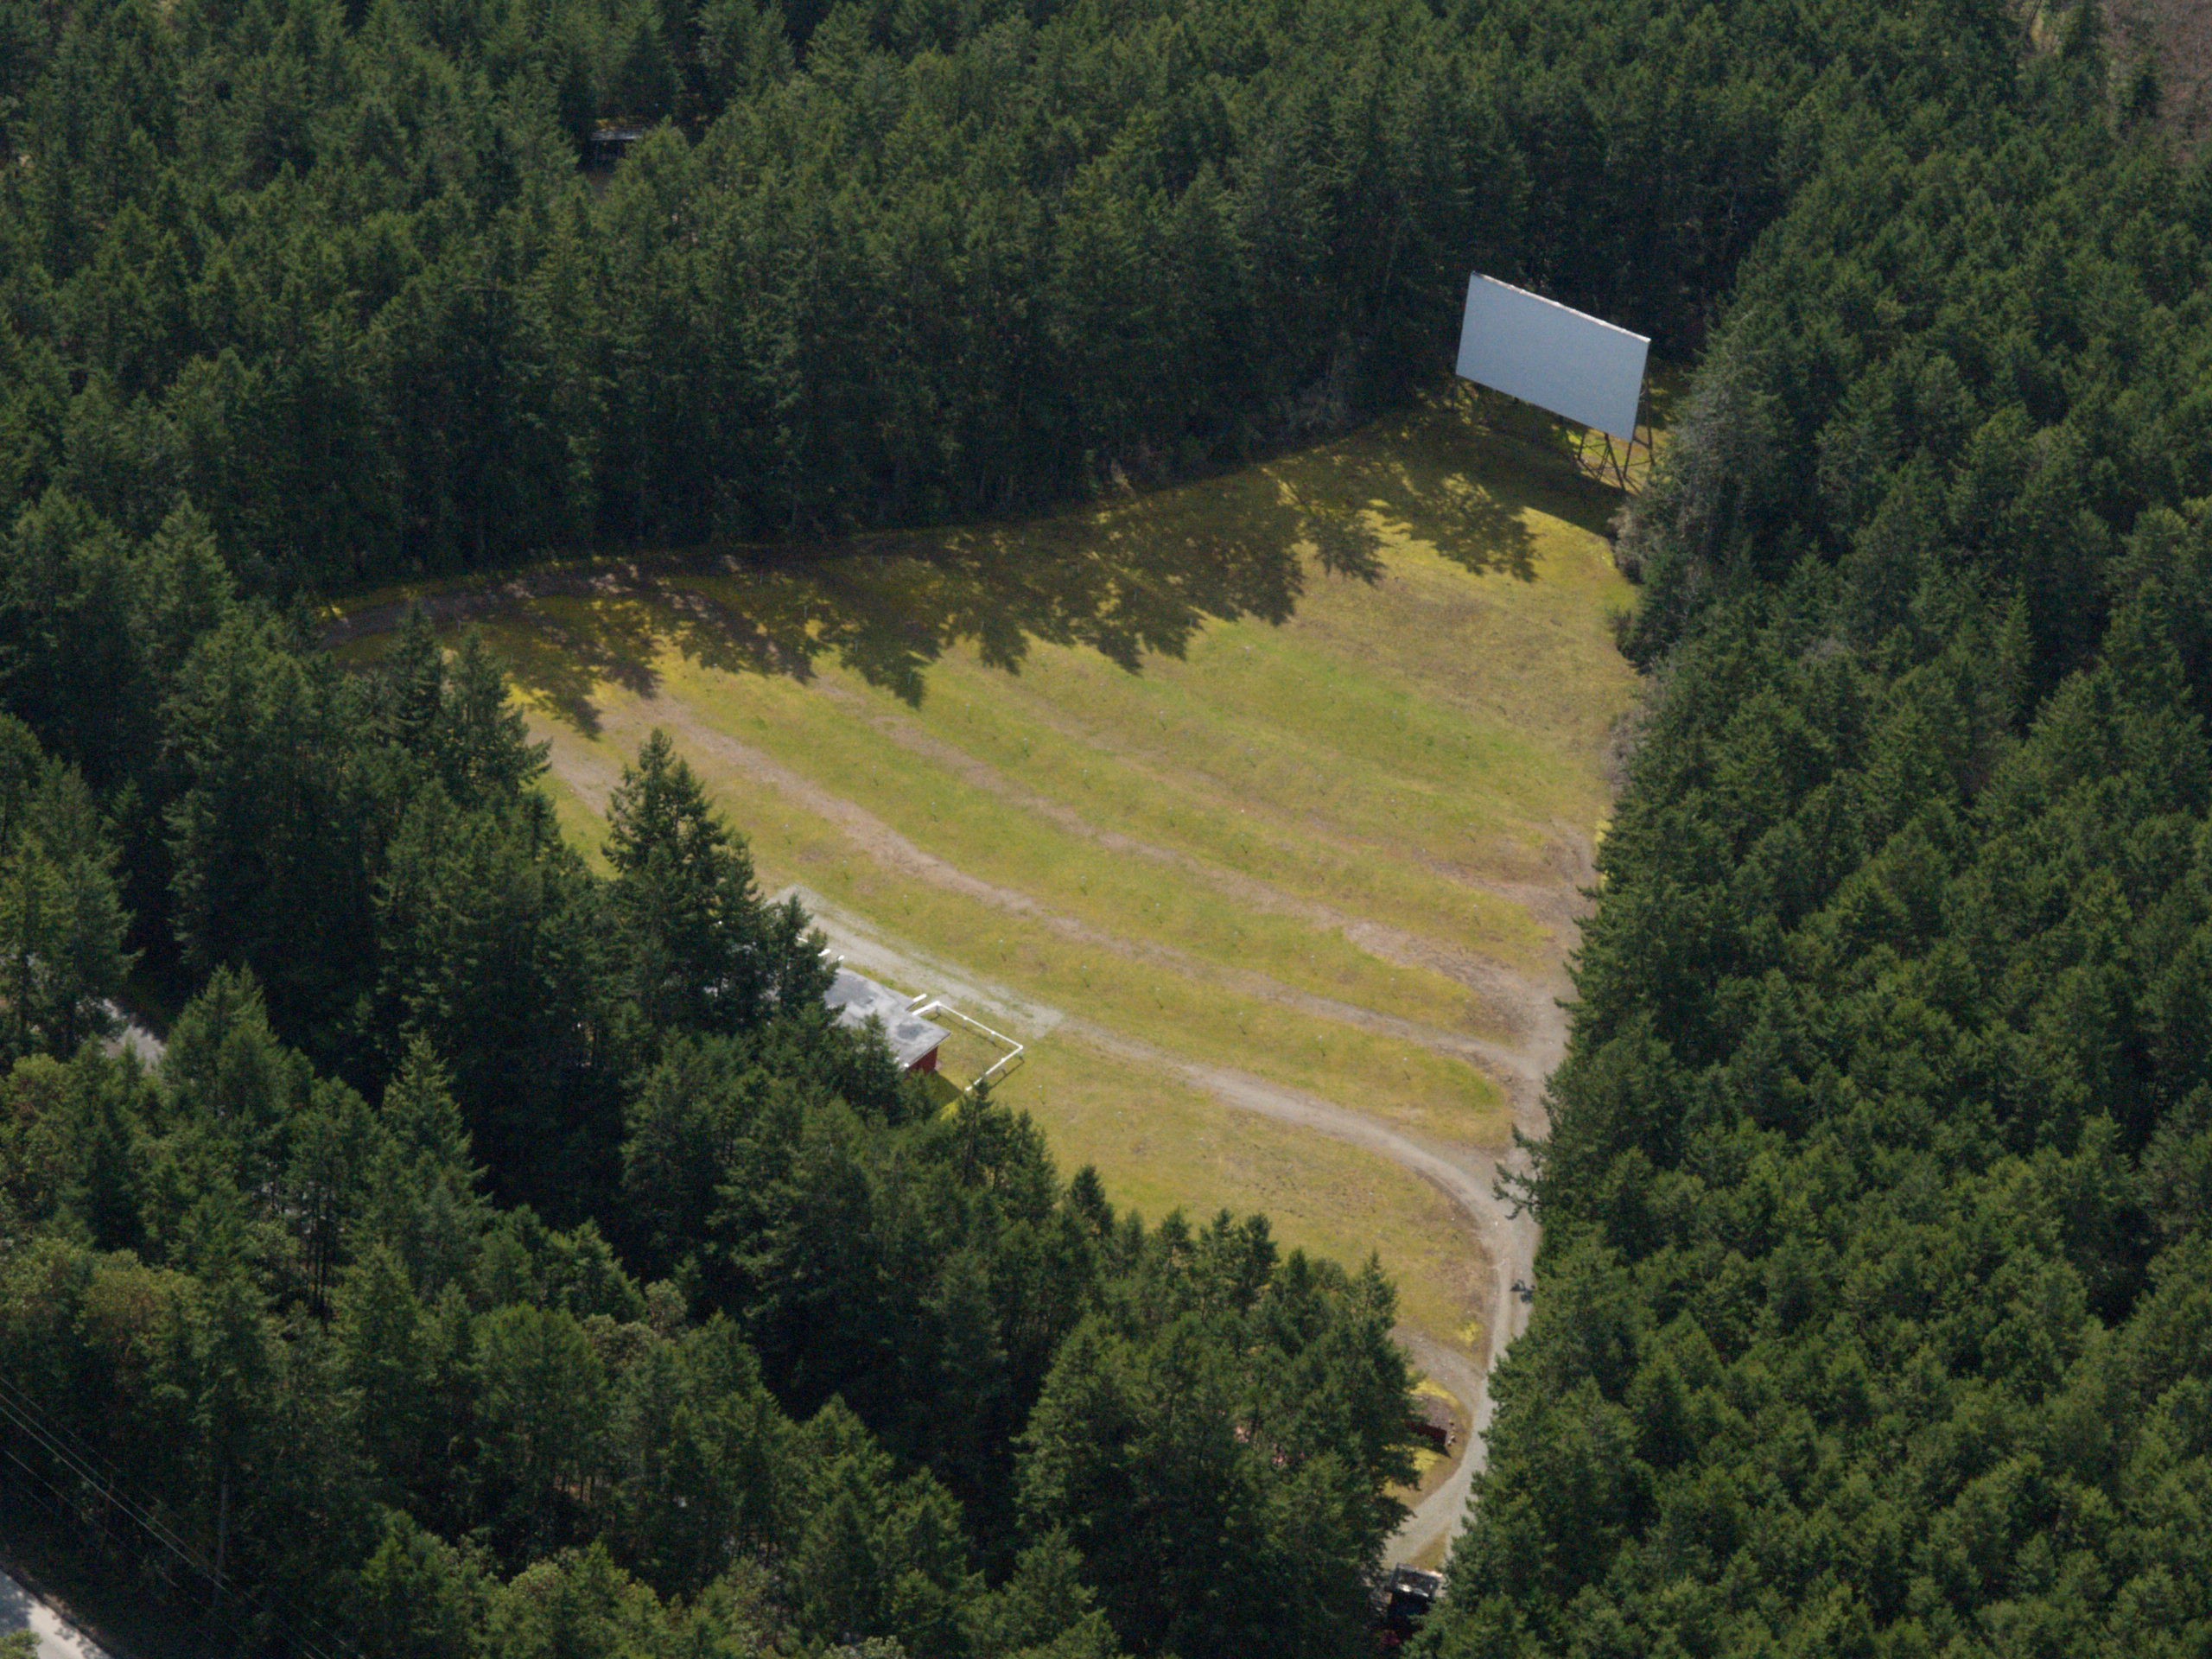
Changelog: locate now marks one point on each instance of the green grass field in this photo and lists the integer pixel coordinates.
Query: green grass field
(1291, 773)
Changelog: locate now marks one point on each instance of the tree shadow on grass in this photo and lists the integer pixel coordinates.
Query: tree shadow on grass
(1136, 579)
(1462, 476)
(1524, 459)
(1127, 582)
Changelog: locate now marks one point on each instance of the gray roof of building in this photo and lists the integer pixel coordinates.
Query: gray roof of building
(857, 998)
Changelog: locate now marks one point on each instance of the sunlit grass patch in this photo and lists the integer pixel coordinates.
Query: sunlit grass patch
(1161, 1147)
(1016, 846)
(1291, 772)
(1391, 1079)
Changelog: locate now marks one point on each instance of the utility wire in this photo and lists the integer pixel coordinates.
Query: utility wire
(106, 1483)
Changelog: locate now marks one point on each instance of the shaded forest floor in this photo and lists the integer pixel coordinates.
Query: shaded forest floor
(2176, 37)
(1258, 808)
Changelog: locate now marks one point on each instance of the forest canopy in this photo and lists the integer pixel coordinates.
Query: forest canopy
(1874, 1314)
(332, 269)
(582, 1287)
(509, 1256)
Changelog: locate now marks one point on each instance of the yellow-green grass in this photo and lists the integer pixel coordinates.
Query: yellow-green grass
(1023, 850)
(1160, 1147)
(1002, 724)
(1285, 770)
(1020, 848)
(1143, 790)
(1396, 1080)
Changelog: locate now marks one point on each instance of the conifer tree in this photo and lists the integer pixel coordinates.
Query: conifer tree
(682, 894)
(62, 924)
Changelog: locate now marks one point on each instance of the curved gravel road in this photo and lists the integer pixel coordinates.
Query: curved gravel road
(1467, 1175)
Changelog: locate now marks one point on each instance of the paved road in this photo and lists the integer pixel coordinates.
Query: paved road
(57, 1638)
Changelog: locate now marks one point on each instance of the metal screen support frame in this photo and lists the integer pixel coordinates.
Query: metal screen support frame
(1615, 463)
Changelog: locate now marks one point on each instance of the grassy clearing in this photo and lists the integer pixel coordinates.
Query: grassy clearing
(1292, 771)
(1162, 1147)
(1135, 775)
(1116, 894)
(1408, 1085)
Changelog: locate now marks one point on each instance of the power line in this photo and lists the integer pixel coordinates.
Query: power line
(106, 1485)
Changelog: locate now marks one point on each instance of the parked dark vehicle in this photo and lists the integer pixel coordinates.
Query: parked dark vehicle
(1401, 1602)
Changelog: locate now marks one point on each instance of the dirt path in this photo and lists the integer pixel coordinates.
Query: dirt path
(1436, 1519)
(1467, 1175)
(1509, 1062)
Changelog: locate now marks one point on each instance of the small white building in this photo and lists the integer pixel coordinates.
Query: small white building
(857, 999)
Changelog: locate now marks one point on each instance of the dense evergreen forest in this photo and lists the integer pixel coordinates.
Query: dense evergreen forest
(782, 1356)
(1875, 1314)
(508, 1258)
(330, 269)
